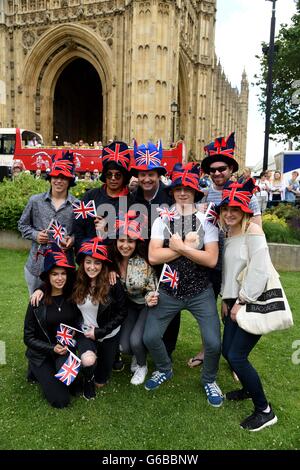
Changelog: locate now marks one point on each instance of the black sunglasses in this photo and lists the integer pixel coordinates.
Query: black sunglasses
(220, 169)
(109, 175)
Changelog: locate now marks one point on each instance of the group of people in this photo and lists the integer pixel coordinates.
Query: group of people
(142, 258)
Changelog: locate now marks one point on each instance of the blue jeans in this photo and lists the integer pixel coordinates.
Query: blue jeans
(203, 308)
(237, 345)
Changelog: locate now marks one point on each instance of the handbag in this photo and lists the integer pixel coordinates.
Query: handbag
(270, 312)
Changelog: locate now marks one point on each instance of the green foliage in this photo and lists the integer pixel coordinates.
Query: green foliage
(285, 112)
(15, 194)
(281, 224)
(124, 416)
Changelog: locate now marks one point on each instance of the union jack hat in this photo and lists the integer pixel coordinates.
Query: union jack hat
(117, 153)
(94, 247)
(147, 158)
(54, 256)
(63, 164)
(238, 195)
(220, 150)
(187, 175)
(126, 225)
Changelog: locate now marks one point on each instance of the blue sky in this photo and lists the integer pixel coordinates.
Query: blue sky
(241, 27)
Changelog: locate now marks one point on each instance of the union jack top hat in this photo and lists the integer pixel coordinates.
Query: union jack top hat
(94, 247)
(238, 195)
(54, 256)
(147, 158)
(221, 150)
(187, 175)
(63, 164)
(117, 154)
(127, 226)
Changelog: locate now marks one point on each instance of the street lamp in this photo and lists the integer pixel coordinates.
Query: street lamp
(269, 85)
(174, 109)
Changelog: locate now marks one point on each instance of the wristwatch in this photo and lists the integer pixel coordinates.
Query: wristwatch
(239, 301)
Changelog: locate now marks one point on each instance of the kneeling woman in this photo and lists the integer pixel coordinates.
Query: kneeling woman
(245, 245)
(103, 308)
(45, 355)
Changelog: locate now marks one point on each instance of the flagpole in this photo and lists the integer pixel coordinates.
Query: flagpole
(74, 355)
(161, 276)
(206, 214)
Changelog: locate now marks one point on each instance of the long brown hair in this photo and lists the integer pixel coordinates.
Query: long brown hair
(67, 289)
(82, 287)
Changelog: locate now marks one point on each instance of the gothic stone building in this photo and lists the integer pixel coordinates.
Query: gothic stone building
(101, 69)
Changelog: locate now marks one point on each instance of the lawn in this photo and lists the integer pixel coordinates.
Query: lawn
(123, 416)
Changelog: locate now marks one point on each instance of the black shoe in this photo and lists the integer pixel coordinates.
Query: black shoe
(89, 392)
(118, 365)
(31, 377)
(237, 395)
(259, 420)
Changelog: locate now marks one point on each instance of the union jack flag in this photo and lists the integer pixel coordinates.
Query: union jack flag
(94, 248)
(149, 156)
(222, 146)
(187, 177)
(116, 155)
(211, 215)
(170, 277)
(64, 336)
(83, 210)
(57, 231)
(235, 194)
(127, 225)
(69, 370)
(168, 214)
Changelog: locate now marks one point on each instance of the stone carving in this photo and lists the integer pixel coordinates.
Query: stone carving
(106, 29)
(28, 39)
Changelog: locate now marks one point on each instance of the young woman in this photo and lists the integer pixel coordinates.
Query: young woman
(45, 354)
(103, 308)
(138, 278)
(245, 245)
(277, 189)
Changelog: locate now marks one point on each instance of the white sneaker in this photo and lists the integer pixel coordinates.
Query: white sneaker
(134, 364)
(139, 375)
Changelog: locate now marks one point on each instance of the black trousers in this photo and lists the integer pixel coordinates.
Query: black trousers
(56, 392)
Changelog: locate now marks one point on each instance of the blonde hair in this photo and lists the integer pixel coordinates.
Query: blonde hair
(244, 221)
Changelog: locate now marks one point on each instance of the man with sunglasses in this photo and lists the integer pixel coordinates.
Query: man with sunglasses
(219, 163)
(112, 194)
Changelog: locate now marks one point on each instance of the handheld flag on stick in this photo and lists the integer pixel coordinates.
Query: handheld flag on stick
(57, 231)
(83, 210)
(168, 277)
(72, 328)
(211, 215)
(69, 370)
(168, 215)
(64, 336)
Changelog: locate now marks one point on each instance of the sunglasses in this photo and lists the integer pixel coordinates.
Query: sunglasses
(220, 169)
(109, 175)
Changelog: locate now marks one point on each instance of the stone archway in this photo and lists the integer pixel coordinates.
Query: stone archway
(78, 104)
(50, 57)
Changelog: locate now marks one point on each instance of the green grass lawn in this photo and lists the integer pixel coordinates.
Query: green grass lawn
(123, 416)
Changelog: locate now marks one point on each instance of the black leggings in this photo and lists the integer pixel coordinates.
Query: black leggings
(56, 392)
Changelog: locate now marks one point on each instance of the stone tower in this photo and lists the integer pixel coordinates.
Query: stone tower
(111, 69)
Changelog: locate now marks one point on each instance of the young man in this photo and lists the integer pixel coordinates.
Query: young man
(220, 163)
(41, 209)
(189, 252)
(151, 193)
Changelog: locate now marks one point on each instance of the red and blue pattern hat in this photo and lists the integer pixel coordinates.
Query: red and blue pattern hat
(220, 150)
(187, 175)
(63, 164)
(54, 256)
(147, 158)
(115, 155)
(238, 195)
(94, 247)
(127, 226)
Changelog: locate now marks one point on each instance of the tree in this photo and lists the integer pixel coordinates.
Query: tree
(285, 110)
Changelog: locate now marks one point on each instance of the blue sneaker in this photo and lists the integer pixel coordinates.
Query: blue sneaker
(214, 394)
(157, 379)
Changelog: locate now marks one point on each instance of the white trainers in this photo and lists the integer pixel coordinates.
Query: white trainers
(139, 375)
(134, 364)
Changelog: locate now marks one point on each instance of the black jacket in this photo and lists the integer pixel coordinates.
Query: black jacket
(111, 314)
(36, 337)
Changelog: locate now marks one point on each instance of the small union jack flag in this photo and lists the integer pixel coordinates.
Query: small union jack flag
(83, 210)
(64, 336)
(170, 277)
(69, 370)
(57, 231)
(211, 215)
(168, 214)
